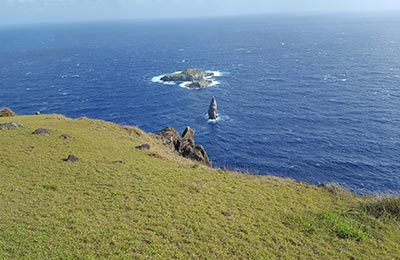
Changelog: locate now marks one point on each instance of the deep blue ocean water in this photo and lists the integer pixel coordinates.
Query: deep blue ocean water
(316, 99)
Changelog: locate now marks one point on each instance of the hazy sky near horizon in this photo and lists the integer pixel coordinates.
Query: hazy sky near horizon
(29, 11)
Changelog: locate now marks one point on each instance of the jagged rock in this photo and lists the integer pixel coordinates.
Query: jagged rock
(6, 112)
(212, 110)
(10, 126)
(188, 133)
(72, 158)
(169, 136)
(196, 153)
(184, 145)
(66, 137)
(42, 131)
(143, 147)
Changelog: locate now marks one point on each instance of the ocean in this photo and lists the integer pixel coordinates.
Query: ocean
(313, 98)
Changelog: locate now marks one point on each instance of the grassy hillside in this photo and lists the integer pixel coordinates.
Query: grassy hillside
(122, 203)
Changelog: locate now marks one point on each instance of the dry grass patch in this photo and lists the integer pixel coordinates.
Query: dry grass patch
(337, 190)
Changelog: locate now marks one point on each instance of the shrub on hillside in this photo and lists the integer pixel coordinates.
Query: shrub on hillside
(384, 206)
(336, 189)
(6, 112)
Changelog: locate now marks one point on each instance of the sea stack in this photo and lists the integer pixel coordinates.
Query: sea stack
(212, 110)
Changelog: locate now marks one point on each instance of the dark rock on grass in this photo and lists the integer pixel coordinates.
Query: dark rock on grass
(72, 158)
(184, 145)
(42, 131)
(226, 214)
(50, 187)
(10, 126)
(66, 137)
(143, 147)
(119, 162)
(6, 112)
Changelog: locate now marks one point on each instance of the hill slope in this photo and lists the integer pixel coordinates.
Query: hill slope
(122, 203)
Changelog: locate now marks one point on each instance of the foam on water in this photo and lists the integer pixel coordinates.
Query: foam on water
(213, 121)
(220, 118)
(157, 79)
(215, 72)
(184, 84)
(70, 76)
(214, 83)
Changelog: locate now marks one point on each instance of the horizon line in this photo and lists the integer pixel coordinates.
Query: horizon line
(309, 14)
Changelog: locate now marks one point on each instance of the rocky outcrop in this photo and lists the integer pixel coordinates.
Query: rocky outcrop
(212, 110)
(6, 112)
(184, 145)
(10, 126)
(187, 75)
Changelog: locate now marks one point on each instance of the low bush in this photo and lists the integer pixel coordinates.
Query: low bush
(6, 112)
(384, 207)
(336, 189)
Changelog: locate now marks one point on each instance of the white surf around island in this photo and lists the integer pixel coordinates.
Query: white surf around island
(220, 118)
(157, 79)
(216, 73)
(185, 84)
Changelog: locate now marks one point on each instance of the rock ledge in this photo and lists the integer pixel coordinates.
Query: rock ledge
(184, 145)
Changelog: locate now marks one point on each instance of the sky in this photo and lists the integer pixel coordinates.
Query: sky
(38, 11)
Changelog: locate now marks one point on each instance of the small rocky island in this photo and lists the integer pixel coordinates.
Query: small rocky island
(195, 78)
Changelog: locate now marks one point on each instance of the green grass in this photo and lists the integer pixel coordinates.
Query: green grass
(344, 227)
(122, 203)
